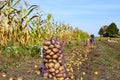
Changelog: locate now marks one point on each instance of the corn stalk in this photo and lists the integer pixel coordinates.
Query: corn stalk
(19, 26)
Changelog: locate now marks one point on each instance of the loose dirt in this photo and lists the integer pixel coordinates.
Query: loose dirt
(105, 60)
(103, 63)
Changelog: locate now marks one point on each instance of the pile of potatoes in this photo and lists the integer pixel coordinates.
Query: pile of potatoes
(53, 60)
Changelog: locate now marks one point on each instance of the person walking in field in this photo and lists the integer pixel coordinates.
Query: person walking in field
(91, 42)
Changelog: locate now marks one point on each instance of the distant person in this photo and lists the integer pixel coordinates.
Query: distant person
(93, 39)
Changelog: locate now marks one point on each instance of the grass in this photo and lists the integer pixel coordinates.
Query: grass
(111, 59)
(21, 52)
(105, 38)
(99, 60)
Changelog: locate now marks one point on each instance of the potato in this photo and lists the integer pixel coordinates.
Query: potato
(55, 61)
(48, 51)
(51, 46)
(61, 68)
(57, 65)
(59, 75)
(54, 56)
(47, 43)
(53, 74)
(60, 61)
(60, 57)
(53, 41)
(64, 75)
(55, 50)
(50, 65)
(60, 51)
(61, 72)
(45, 75)
(45, 47)
(50, 60)
(50, 76)
(57, 46)
(51, 70)
(56, 71)
(47, 56)
(51, 53)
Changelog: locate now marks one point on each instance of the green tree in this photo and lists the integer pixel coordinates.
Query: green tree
(101, 31)
(105, 28)
(112, 30)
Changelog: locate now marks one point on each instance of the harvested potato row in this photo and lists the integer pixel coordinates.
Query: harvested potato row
(53, 60)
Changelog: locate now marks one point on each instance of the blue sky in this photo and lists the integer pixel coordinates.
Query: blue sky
(88, 15)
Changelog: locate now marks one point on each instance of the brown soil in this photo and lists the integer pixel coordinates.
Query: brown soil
(104, 60)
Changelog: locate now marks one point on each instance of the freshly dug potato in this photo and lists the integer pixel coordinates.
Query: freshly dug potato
(47, 43)
(60, 51)
(57, 46)
(51, 70)
(54, 56)
(48, 51)
(55, 61)
(47, 56)
(64, 75)
(53, 74)
(61, 72)
(51, 65)
(60, 61)
(50, 60)
(53, 41)
(61, 68)
(56, 71)
(55, 50)
(60, 57)
(57, 65)
(45, 75)
(51, 53)
(61, 78)
(50, 76)
(51, 46)
(59, 75)
(45, 47)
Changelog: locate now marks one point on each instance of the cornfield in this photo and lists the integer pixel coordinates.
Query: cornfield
(20, 26)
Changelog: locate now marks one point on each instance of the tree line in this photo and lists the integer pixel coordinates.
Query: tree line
(109, 30)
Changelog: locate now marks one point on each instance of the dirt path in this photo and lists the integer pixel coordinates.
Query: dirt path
(105, 61)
